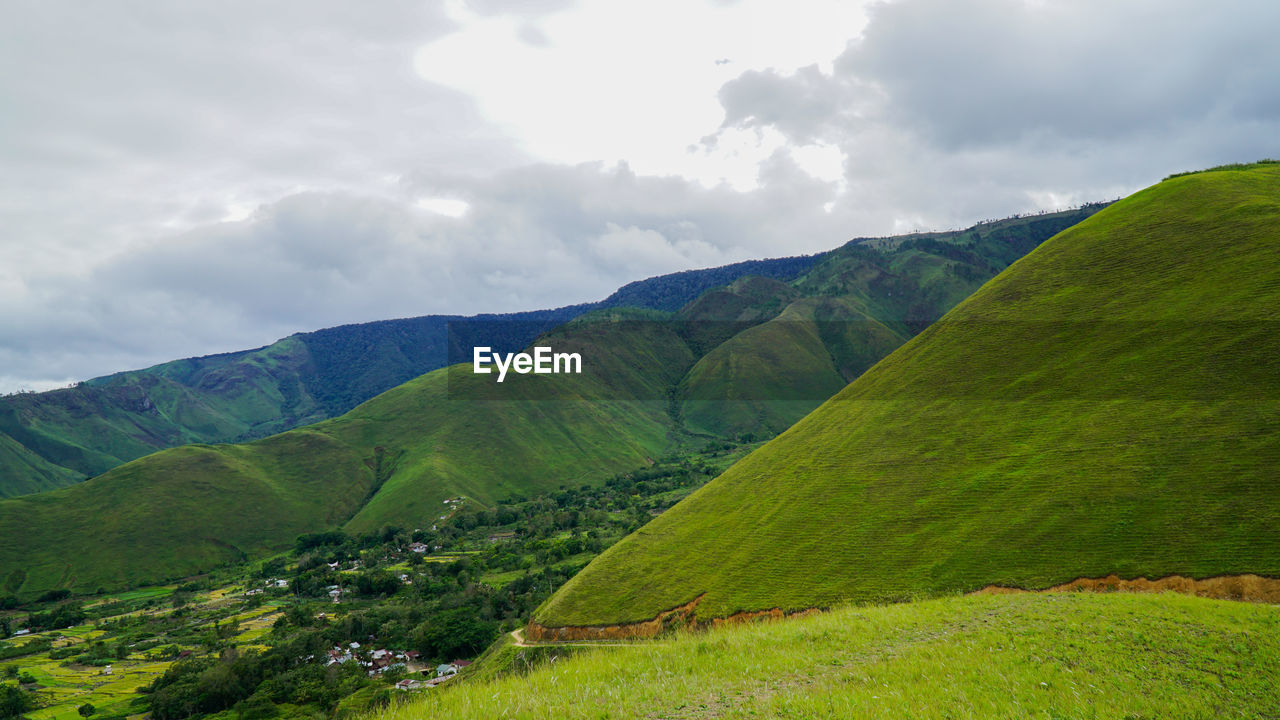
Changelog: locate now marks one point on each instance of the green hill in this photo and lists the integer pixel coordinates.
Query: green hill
(446, 434)
(60, 437)
(1108, 404)
(744, 359)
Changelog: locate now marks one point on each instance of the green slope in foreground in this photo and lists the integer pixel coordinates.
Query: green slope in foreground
(1108, 404)
(1076, 655)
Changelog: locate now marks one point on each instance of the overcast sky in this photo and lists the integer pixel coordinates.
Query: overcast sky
(178, 179)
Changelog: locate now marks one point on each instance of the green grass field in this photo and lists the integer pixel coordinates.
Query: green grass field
(1109, 404)
(1071, 655)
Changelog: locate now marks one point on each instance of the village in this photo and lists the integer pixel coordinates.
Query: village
(337, 625)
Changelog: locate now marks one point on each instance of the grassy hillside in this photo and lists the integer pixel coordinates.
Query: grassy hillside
(1075, 655)
(1109, 404)
(60, 437)
(395, 458)
(743, 360)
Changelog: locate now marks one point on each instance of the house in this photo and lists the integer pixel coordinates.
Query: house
(23, 631)
(407, 685)
(436, 680)
(446, 670)
(108, 671)
(418, 547)
(501, 537)
(354, 645)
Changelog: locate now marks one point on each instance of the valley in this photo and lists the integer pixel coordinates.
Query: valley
(739, 363)
(331, 626)
(1026, 469)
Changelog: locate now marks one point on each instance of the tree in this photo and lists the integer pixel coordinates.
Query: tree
(86, 710)
(14, 701)
(454, 634)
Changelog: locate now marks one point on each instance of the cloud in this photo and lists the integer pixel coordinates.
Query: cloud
(187, 179)
(805, 105)
(127, 121)
(539, 235)
(952, 111)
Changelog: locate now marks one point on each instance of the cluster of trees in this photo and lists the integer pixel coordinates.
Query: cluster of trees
(252, 683)
(62, 616)
(14, 701)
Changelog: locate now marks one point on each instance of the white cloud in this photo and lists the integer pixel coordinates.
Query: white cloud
(633, 81)
(949, 112)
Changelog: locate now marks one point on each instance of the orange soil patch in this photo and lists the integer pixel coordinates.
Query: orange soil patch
(1252, 588)
(679, 615)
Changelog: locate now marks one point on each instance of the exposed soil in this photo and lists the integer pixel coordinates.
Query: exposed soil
(679, 615)
(1251, 588)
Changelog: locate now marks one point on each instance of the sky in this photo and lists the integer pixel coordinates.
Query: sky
(179, 179)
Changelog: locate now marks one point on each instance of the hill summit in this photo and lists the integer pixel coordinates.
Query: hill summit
(1109, 404)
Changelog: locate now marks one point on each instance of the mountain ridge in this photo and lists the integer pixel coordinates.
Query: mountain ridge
(450, 433)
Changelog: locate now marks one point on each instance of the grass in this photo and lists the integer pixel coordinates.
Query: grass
(1109, 404)
(1074, 655)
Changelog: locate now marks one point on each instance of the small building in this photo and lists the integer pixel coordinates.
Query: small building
(446, 670)
(406, 685)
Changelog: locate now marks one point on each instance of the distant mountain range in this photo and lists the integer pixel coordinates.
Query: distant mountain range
(58, 438)
(755, 347)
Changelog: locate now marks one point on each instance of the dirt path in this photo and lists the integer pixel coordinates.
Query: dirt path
(518, 636)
